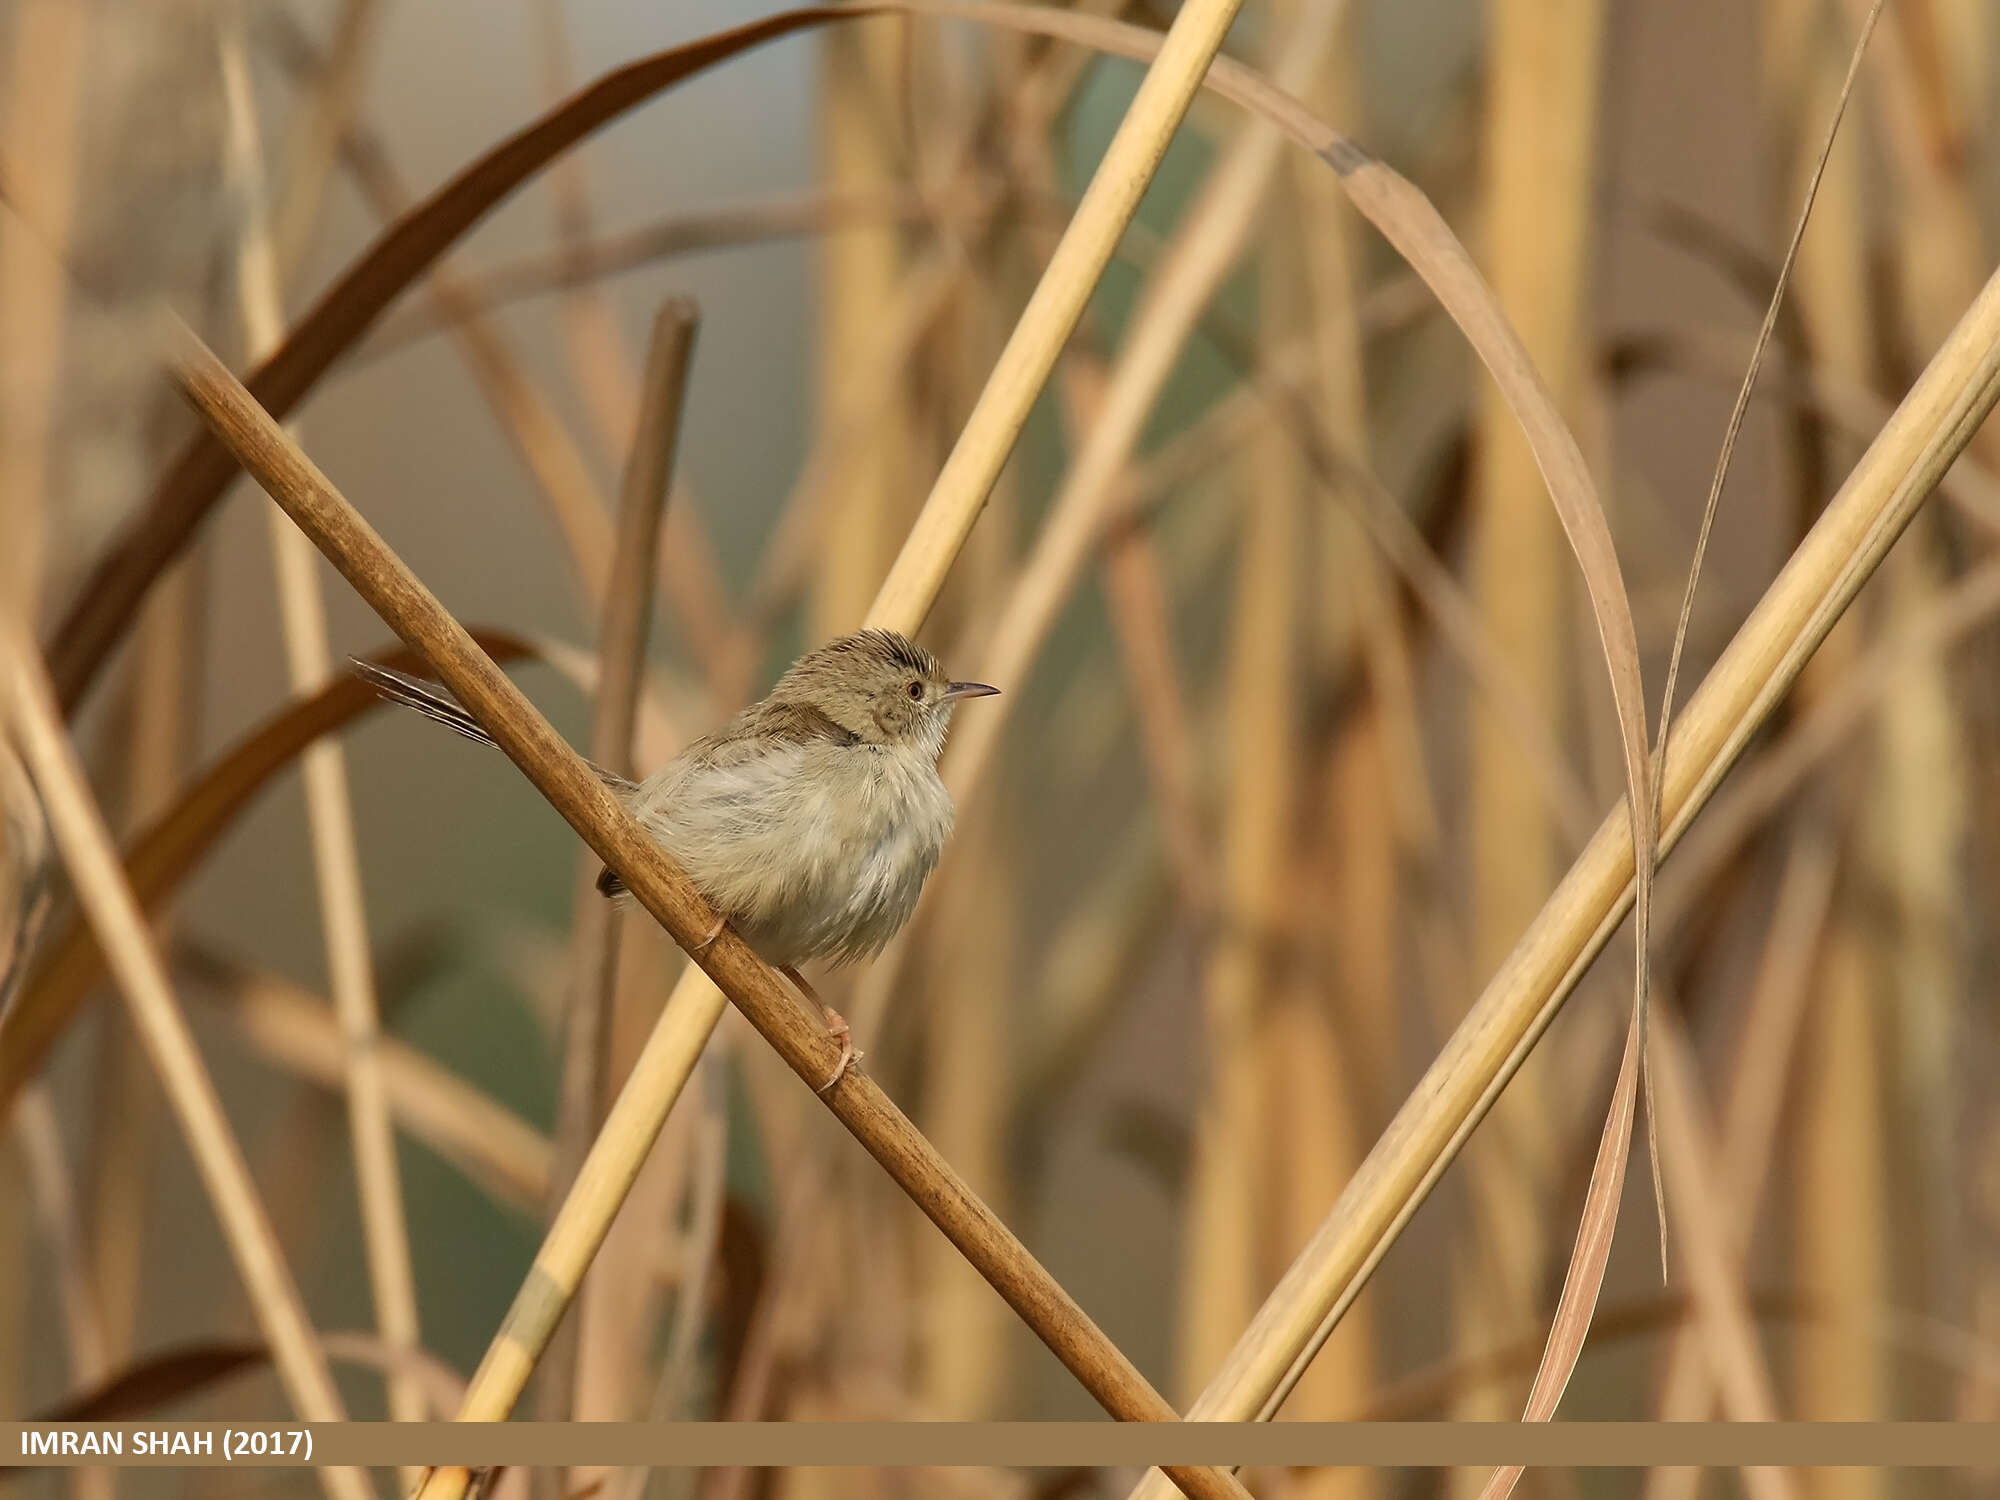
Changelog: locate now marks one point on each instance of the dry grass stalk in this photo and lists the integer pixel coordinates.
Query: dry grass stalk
(1753, 674)
(309, 664)
(87, 851)
(621, 648)
(779, 1015)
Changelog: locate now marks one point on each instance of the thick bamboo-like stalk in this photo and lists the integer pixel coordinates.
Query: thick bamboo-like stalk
(87, 851)
(309, 663)
(621, 648)
(1542, 81)
(791, 1027)
(1058, 301)
(1760, 665)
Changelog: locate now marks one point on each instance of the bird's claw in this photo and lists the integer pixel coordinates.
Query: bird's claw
(838, 1029)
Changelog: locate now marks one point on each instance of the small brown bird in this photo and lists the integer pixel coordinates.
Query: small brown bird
(811, 820)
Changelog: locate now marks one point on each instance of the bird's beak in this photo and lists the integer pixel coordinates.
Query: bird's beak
(967, 690)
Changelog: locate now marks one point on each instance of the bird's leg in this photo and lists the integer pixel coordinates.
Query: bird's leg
(836, 1027)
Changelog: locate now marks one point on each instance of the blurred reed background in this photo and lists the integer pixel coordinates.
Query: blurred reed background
(1265, 814)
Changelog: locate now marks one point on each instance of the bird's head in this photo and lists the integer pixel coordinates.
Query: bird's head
(880, 687)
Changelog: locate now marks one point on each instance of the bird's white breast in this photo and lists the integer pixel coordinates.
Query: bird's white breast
(812, 850)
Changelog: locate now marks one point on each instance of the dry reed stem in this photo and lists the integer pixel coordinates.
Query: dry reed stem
(1107, 205)
(343, 909)
(621, 649)
(1749, 1122)
(108, 901)
(779, 1015)
(1902, 466)
(464, 1125)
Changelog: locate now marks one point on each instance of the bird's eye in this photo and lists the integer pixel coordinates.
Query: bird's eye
(917, 690)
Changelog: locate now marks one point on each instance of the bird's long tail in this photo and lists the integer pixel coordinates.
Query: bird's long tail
(435, 702)
(427, 698)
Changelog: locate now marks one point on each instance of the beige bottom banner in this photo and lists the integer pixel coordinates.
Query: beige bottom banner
(1010, 1444)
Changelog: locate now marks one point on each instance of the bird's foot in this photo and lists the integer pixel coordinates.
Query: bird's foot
(836, 1027)
(841, 1032)
(713, 933)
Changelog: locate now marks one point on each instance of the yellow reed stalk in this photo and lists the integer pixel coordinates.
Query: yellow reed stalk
(1045, 324)
(1542, 70)
(1756, 671)
(114, 912)
(343, 909)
